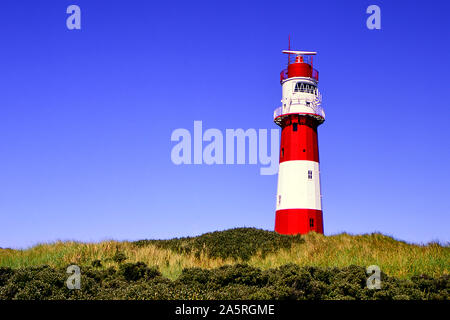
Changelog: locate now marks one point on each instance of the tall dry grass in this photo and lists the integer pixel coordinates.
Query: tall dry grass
(395, 258)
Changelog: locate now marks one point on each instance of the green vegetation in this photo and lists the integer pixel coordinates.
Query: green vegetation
(240, 243)
(137, 281)
(258, 248)
(243, 263)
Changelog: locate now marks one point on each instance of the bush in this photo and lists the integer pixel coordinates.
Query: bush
(238, 243)
(5, 274)
(137, 271)
(241, 281)
(119, 257)
(237, 274)
(96, 263)
(191, 276)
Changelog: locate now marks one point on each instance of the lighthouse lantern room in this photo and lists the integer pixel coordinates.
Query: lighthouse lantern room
(298, 202)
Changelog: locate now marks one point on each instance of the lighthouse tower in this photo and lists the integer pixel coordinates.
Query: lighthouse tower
(299, 203)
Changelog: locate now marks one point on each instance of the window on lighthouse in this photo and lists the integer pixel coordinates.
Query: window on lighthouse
(304, 87)
(299, 87)
(309, 174)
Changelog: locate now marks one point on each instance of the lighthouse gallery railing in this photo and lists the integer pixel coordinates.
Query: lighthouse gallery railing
(317, 109)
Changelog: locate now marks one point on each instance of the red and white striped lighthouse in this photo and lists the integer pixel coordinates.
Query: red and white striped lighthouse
(299, 203)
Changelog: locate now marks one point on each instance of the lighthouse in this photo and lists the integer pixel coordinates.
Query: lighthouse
(298, 202)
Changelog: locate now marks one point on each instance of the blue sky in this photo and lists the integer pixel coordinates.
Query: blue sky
(86, 116)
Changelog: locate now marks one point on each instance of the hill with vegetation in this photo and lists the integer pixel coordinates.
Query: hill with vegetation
(242, 263)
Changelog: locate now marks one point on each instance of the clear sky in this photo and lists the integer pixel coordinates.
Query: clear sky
(86, 116)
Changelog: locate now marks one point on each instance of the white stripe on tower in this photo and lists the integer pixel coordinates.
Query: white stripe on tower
(299, 185)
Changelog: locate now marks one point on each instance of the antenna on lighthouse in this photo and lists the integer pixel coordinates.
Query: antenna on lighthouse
(306, 53)
(289, 48)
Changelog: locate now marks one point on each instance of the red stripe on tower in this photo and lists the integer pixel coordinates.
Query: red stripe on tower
(299, 203)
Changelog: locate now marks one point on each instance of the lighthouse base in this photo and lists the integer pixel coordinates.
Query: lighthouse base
(298, 221)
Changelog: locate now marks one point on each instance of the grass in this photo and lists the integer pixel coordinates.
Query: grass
(264, 249)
